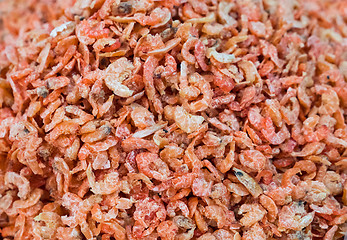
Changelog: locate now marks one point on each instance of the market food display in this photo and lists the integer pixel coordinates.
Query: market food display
(173, 119)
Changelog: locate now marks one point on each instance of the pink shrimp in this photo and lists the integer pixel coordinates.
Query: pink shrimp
(152, 166)
(199, 53)
(205, 89)
(132, 143)
(270, 206)
(149, 213)
(87, 31)
(170, 65)
(253, 159)
(21, 182)
(269, 132)
(189, 44)
(256, 232)
(201, 187)
(294, 216)
(173, 205)
(148, 70)
(167, 230)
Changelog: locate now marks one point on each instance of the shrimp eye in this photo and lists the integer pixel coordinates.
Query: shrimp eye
(123, 8)
(237, 173)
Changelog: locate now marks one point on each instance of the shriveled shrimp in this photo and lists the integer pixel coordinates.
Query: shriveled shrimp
(270, 206)
(205, 89)
(132, 143)
(256, 232)
(189, 44)
(269, 132)
(310, 191)
(148, 70)
(108, 185)
(167, 230)
(201, 187)
(290, 116)
(87, 31)
(158, 17)
(253, 159)
(294, 216)
(99, 134)
(116, 73)
(173, 205)
(252, 213)
(151, 165)
(21, 182)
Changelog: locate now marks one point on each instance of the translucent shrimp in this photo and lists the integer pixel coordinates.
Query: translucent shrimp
(253, 159)
(294, 216)
(152, 166)
(173, 205)
(252, 213)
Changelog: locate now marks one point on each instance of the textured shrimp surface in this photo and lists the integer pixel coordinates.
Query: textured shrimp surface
(173, 119)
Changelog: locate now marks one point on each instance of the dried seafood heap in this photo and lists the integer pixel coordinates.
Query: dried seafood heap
(173, 119)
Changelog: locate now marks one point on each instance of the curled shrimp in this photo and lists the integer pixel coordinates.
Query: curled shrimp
(201, 187)
(189, 44)
(132, 143)
(167, 230)
(108, 185)
(294, 216)
(253, 159)
(252, 213)
(21, 182)
(173, 205)
(87, 31)
(270, 134)
(205, 89)
(310, 191)
(255, 232)
(158, 17)
(309, 132)
(290, 116)
(149, 212)
(152, 166)
(270, 206)
(148, 69)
